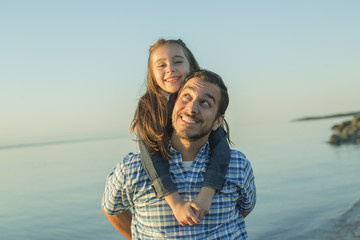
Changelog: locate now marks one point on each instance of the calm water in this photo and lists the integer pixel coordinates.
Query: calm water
(306, 188)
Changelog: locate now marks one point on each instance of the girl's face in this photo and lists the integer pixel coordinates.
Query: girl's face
(169, 67)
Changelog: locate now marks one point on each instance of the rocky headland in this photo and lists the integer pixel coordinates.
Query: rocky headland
(328, 116)
(346, 132)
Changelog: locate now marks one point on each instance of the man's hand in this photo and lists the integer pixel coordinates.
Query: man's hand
(203, 199)
(183, 211)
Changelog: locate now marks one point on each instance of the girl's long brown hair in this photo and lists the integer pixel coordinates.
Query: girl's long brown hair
(151, 119)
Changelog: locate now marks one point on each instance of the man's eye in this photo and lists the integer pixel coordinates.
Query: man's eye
(205, 103)
(186, 97)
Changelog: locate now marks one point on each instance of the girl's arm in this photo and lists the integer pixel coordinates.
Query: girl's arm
(183, 211)
(216, 170)
(219, 160)
(157, 170)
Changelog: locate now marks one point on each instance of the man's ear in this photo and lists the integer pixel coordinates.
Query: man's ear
(218, 122)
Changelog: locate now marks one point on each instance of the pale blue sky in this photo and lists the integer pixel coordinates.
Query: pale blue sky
(76, 68)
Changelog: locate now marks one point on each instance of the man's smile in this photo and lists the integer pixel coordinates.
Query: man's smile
(189, 120)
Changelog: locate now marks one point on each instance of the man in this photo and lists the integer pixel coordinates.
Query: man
(198, 110)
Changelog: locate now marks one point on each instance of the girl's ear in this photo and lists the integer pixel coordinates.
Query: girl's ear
(218, 122)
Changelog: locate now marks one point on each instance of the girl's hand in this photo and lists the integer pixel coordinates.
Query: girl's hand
(185, 214)
(203, 199)
(183, 211)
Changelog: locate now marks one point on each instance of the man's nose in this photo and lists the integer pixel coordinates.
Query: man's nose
(192, 107)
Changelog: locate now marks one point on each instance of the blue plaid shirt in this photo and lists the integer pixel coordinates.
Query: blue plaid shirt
(128, 187)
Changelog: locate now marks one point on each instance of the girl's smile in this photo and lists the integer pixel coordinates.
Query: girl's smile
(173, 79)
(169, 67)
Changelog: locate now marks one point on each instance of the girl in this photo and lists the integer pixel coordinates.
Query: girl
(168, 64)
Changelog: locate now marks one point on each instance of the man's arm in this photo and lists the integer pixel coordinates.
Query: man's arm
(247, 200)
(121, 222)
(244, 214)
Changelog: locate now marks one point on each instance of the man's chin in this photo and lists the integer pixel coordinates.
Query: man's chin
(192, 137)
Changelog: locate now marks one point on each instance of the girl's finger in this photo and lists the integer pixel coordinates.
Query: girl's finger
(195, 206)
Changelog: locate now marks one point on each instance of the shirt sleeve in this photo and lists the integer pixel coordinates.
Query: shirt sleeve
(115, 198)
(247, 198)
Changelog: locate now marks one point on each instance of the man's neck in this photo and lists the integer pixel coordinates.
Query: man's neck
(187, 149)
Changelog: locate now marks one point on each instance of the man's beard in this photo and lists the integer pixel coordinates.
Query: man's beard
(201, 134)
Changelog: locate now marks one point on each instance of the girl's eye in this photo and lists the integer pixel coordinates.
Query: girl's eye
(178, 60)
(161, 65)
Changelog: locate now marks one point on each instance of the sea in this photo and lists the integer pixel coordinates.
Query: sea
(306, 188)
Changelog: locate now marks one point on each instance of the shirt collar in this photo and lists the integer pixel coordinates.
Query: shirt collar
(202, 155)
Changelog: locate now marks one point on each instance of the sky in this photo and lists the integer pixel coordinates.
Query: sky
(75, 69)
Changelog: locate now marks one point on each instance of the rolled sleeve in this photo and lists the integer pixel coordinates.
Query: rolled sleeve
(214, 179)
(247, 200)
(115, 197)
(163, 186)
(219, 160)
(157, 170)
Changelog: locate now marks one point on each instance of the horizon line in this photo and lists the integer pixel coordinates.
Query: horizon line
(58, 142)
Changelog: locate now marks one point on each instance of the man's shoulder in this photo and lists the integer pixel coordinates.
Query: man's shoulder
(132, 159)
(240, 169)
(239, 161)
(237, 156)
(131, 162)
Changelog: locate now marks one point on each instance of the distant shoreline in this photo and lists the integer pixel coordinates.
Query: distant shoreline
(37, 144)
(327, 116)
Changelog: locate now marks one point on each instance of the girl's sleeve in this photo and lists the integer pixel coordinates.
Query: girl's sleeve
(157, 170)
(219, 160)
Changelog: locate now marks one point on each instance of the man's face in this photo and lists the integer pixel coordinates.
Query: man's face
(195, 110)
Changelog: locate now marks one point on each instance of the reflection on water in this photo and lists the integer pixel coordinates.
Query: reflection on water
(305, 187)
(301, 180)
(53, 191)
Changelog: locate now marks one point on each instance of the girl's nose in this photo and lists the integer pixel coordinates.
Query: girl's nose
(170, 68)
